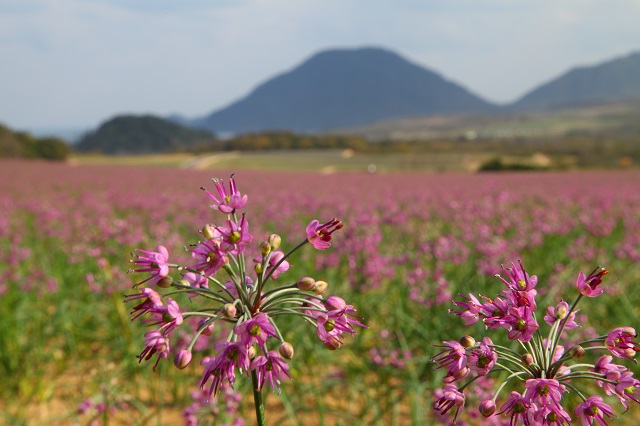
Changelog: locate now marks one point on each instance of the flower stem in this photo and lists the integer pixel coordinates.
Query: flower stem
(257, 400)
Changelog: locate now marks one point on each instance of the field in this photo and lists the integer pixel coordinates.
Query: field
(411, 243)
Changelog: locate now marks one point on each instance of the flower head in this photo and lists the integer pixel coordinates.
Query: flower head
(153, 262)
(588, 285)
(320, 235)
(226, 202)
(620, 342)
(594, 409)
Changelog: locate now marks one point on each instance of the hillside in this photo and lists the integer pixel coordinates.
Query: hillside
(614, 80)
(339, 88)
(15, 144)
(130, 134)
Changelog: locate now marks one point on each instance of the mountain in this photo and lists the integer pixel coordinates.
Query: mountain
(130, 134)
(340, 88)
(16, 144)
(615, 80)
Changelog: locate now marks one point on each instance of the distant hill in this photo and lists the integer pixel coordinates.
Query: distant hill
(615, 80)
(340, 88)
(130, 134)
(15, 144)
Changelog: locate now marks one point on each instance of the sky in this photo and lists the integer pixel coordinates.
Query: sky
(78, 63)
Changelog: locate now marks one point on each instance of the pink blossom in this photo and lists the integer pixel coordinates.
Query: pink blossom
(593, 409)
(519, 408)
(559, 313)
(270, 368)
(521, 324)
(588, 286)
(154, 262)
(276, 259)
(483, 358)
(209, 258)
(454, 358)
(470, 309)
(451, 397)
(256, 330)
(320, 235)
(231, 355)
(226, 202)
(544, 391)
(620, 342)
(155, 342)
(234, 237)
(627, 389)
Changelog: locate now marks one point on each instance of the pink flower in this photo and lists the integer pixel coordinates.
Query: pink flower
(226, 202)
(231, 355)
(151, 299)
(519, 280)
(611, 372)
(627, 388)
(256, 330)
(451, 397)
(275, 259)
(483, 358)
(620, 342)
(270, 368)
(593, 409)
(333, 324)
(154, 262)
(320, 235)
(559, 313)
(470, 309)
(454, 358)
(209, 258)
(521, 324)
(168, 315)
(155, 342)
(552, 415)
(234, 237)
(519, 408)
(544, 391)
(588, 286)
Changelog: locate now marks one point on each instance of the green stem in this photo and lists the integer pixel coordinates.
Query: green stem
(257, 400)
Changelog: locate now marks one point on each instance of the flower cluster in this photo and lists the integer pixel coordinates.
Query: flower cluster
(542, 376)
(221, 289)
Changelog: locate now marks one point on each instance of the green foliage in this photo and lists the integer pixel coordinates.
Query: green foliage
(23, 145)
(141, 135)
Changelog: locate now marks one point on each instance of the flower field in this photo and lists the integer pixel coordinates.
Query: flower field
(411, 243)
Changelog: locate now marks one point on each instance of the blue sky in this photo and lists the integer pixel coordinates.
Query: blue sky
(76, 63)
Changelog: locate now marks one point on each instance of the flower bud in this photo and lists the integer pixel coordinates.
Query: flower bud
(274, 241)
(577, 352)
(229, 310)
(286, 350)
(306, 283)
(527, 359)
(467, 341)
(487, 408)
(265, 247)
(332, 343)
(562, 311)
(165, 282)
(208, 330)
(208, 231)
(182, 359)
(251, 352)
(334, 303)
(184, 282)
(320, 287)
(258, 268)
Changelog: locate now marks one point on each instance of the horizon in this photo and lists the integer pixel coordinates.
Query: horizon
(75, 65)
